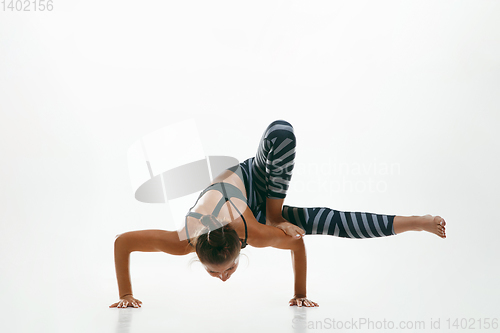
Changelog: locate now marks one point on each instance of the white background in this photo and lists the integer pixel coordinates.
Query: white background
(414, 84)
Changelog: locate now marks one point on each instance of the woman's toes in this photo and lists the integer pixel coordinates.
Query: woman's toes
(439, 220)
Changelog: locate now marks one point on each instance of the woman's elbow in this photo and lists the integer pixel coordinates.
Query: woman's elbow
(121, 242)
(297, 244)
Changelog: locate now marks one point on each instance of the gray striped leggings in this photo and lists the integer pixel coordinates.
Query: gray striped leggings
(326, 221)
(268, 174)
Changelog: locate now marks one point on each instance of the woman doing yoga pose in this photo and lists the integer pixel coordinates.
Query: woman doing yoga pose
(244, 205)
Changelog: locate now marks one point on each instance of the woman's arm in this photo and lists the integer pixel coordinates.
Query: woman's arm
(263, 236)
(144, 241)
(275, 218)
(273, 211)
(299, 262)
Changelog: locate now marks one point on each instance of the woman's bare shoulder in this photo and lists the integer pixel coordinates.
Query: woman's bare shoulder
(261, 235)
(174, 239)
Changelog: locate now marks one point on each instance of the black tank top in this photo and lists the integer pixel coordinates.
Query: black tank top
(228, 191)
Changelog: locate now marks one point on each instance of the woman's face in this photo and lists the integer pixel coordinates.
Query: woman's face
(222, 271)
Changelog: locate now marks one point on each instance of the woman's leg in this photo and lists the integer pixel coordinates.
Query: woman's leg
(273, 164)
(326, 221)
(268, 174)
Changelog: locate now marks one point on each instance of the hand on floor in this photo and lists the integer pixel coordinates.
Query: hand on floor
(127, 301)
(302, 301)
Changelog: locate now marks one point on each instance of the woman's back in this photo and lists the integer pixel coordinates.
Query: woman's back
(225, 198)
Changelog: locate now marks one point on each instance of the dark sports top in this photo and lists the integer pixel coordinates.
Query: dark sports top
(228, 191)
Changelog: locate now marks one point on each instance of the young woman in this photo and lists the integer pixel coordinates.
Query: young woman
(244, 205)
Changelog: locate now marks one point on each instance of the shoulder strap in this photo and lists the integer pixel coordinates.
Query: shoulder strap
(192, 214)
(244, 243)
(195, 215)
(228, 191)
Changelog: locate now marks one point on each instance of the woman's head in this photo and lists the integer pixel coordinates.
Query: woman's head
(218, 248)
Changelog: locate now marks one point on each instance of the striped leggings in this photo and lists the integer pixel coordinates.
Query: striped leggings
(268, 174)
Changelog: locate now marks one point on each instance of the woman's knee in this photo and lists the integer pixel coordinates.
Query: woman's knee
(280, 122)
(280, 130)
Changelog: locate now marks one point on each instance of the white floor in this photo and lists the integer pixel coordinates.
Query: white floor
(414, 85)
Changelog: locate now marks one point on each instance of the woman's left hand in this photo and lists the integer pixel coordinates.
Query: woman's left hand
(290, 229)
(302, 301)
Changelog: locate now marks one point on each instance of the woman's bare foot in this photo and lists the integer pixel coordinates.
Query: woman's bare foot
(434, 224)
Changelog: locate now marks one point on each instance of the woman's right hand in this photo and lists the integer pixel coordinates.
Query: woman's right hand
(127, 301)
